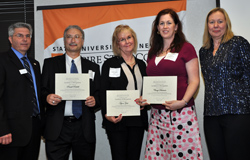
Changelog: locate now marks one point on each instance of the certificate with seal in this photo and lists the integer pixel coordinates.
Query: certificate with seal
(158, 89)
(122, 102)
(72, 86)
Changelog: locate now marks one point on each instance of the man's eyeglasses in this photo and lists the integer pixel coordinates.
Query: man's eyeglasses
(22, 36)
(77, 37)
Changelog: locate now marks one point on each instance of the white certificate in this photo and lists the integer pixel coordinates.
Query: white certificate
(158, 89)
(122, 102)
(72, 86)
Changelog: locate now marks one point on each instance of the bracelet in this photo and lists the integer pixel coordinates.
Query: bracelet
(185, 102)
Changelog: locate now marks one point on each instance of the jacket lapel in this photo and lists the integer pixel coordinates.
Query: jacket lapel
(15, 60)
(61, 64)
(85, 68)
(17, 63)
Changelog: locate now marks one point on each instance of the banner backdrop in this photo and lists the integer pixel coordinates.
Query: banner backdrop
(99, 22)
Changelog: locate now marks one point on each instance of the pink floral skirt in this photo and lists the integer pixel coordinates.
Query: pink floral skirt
(173, 137)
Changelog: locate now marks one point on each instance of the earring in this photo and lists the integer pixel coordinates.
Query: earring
(158, 32)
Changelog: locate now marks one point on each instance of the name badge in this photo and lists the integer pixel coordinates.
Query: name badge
(91, 74)
(171, 56)
(23, 71)
(114, 72)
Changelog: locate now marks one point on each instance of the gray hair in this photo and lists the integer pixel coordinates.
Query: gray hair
(73, 27)
(12, 28)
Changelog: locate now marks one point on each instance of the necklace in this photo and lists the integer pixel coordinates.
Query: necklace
(131, 63)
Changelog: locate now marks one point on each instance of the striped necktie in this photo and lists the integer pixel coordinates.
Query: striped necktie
(34, 100)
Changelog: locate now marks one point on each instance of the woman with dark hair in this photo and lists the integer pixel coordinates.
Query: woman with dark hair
(173, 132)
(225, 64)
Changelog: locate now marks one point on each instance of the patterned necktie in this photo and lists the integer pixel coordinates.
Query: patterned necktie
(34, 100)
(76, 104)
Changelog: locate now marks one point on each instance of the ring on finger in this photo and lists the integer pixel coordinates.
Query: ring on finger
(53, 102)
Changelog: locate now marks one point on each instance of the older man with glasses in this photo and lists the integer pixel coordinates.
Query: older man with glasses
(20, 108)
(70, 124)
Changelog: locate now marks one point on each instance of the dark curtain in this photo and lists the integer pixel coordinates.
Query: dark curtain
(217, 3)
(12, 11)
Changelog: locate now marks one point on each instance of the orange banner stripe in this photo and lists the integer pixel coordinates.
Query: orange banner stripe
(56, 20)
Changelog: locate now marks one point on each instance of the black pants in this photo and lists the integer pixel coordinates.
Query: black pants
(71, 139)
(126, 145)
(28, 152)
(228, 137)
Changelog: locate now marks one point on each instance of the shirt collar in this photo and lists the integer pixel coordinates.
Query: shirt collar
(18, 54)
(69, 59)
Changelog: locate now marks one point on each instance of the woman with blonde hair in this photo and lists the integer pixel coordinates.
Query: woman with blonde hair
(225, 64)
(123, 72)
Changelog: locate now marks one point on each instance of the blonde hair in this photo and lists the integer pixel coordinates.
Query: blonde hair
(115, 40)
(228, 34)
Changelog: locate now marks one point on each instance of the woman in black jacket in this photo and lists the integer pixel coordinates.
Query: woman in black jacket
(124, 72)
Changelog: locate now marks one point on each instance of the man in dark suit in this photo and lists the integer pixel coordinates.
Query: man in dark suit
(20, 111)
(66, 130)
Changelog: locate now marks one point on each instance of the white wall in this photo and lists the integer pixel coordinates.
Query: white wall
(196, 14)
(238, 12)
(195, 20)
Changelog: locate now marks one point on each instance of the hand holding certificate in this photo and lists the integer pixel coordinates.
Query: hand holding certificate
(158, 89)
(122, 102)
(72, 86)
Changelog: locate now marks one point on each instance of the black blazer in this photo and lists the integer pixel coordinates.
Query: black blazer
(120, 83)
(55, 114)
(16, 105)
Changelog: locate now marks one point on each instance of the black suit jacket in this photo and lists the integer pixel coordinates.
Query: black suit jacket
(120, 83)
(55, 114)
(15, 98)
